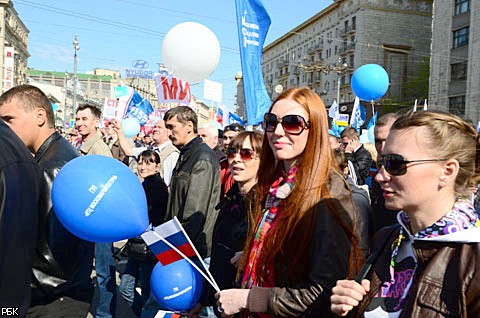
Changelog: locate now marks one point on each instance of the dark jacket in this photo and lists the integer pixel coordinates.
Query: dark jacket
(62, 262)
(327, 260)
(20, 183)
(446, 281)
(229, 235)
(194, 193)
(362, 161)
(156, 192)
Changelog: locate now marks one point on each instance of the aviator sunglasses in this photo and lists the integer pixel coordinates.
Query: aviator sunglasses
(245, 153)
(292, 124)
(396, 165)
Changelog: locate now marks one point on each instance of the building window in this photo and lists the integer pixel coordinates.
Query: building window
(462, 6)
(456, 105)
(458, 71)
(460, 37)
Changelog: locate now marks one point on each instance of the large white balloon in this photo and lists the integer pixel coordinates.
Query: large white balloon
(191, 51)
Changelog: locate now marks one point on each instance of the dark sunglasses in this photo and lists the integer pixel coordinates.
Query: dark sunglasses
(292, 124)
(245, 153)
(231, 128)
(396, 165)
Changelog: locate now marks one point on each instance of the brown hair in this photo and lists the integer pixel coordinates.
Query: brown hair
(184, 114)
(97, 112)
(449, 137)
(314, 170)
(255, 138)
(30, 97)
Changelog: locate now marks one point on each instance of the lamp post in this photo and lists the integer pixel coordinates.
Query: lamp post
(339, 68)
(76, 47)
(65, 103)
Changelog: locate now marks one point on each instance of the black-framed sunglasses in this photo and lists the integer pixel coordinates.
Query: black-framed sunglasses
(292, 124)
(231, 128)
(396, 165)
(246, 154)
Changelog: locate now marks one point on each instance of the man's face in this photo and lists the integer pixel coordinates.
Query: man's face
(208, 137)
(228, 136)
(23, 123)
(86, 123)
(159, 132)
(381, 134)
(179, 132)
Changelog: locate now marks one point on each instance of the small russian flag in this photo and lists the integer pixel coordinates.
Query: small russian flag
(172, 232)
(166, 314)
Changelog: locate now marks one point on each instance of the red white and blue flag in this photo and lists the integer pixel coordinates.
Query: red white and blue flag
(172, 232)
(166, 314)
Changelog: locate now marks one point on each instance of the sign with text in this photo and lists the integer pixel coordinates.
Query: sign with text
(212, 91)
(171, 89)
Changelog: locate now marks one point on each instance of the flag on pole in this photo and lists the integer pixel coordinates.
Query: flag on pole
(172, 232)
(359, 114)
(333, 110)
(138, 107)
(372, 120)
(253, 22)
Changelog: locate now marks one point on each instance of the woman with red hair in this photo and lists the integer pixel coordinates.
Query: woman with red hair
(301, 237)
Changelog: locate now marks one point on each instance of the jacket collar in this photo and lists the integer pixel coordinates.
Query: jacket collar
(46, 144)
(90, 141)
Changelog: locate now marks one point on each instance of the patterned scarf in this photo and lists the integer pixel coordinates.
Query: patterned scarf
(279, 190)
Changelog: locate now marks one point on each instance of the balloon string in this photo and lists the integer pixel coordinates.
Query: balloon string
(210, 280)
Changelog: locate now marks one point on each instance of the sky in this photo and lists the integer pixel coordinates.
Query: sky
(113, 33)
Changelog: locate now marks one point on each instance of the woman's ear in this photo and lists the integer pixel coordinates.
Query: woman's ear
(450, 171)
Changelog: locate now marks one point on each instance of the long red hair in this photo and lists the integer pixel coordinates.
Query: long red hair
(293, 231)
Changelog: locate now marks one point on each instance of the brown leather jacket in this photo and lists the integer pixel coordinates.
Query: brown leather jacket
(326, 260)
(447, 282)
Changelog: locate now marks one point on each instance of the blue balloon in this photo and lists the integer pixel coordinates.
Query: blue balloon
(370, 82)
(176, 286)
(130, 127)
(100, 199)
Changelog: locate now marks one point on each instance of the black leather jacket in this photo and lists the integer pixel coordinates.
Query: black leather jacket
(62, 262)
(362, 161)
(194, 193)
(20, 181)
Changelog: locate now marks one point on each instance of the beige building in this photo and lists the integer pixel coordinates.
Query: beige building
(454, 68)
(13, 47)
(324, 51)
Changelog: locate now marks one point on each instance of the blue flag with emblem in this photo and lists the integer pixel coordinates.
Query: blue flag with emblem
(253, 22)
(139, 108)
(359, 114)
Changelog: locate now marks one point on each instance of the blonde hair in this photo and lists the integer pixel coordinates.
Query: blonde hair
(450, 137)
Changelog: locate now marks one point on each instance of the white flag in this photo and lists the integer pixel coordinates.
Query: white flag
(425, 105)
(333, 110)
(415, 106)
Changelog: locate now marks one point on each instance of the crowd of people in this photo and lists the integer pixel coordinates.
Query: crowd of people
(288, 216)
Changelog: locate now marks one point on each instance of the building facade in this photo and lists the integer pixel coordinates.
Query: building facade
(13, 47)
(323, 52)
(454, 70)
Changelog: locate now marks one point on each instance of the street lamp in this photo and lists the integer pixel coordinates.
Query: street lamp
(65, 103)
(339, 68)
(76, 47)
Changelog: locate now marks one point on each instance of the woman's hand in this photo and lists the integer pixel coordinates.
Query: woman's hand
(348, 294)
(232, 301)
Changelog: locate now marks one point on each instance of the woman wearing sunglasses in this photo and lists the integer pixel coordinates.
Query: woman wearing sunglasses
(231, 226)
(301, 232)
(429, 265)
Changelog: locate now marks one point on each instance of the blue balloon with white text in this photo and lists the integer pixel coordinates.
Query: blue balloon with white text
(100, 199)
(176, 286)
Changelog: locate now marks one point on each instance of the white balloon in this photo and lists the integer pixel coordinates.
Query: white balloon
(191, 51)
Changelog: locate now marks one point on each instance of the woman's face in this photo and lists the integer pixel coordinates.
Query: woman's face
(285, 146)
(146, 168)
(244, 170)
(418, 188)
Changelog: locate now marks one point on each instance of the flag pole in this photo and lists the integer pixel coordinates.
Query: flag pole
(208, 279)
(198, 254)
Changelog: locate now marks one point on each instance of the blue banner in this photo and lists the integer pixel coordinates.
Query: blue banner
(138, 108)
(253, 22)
(235, 119)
